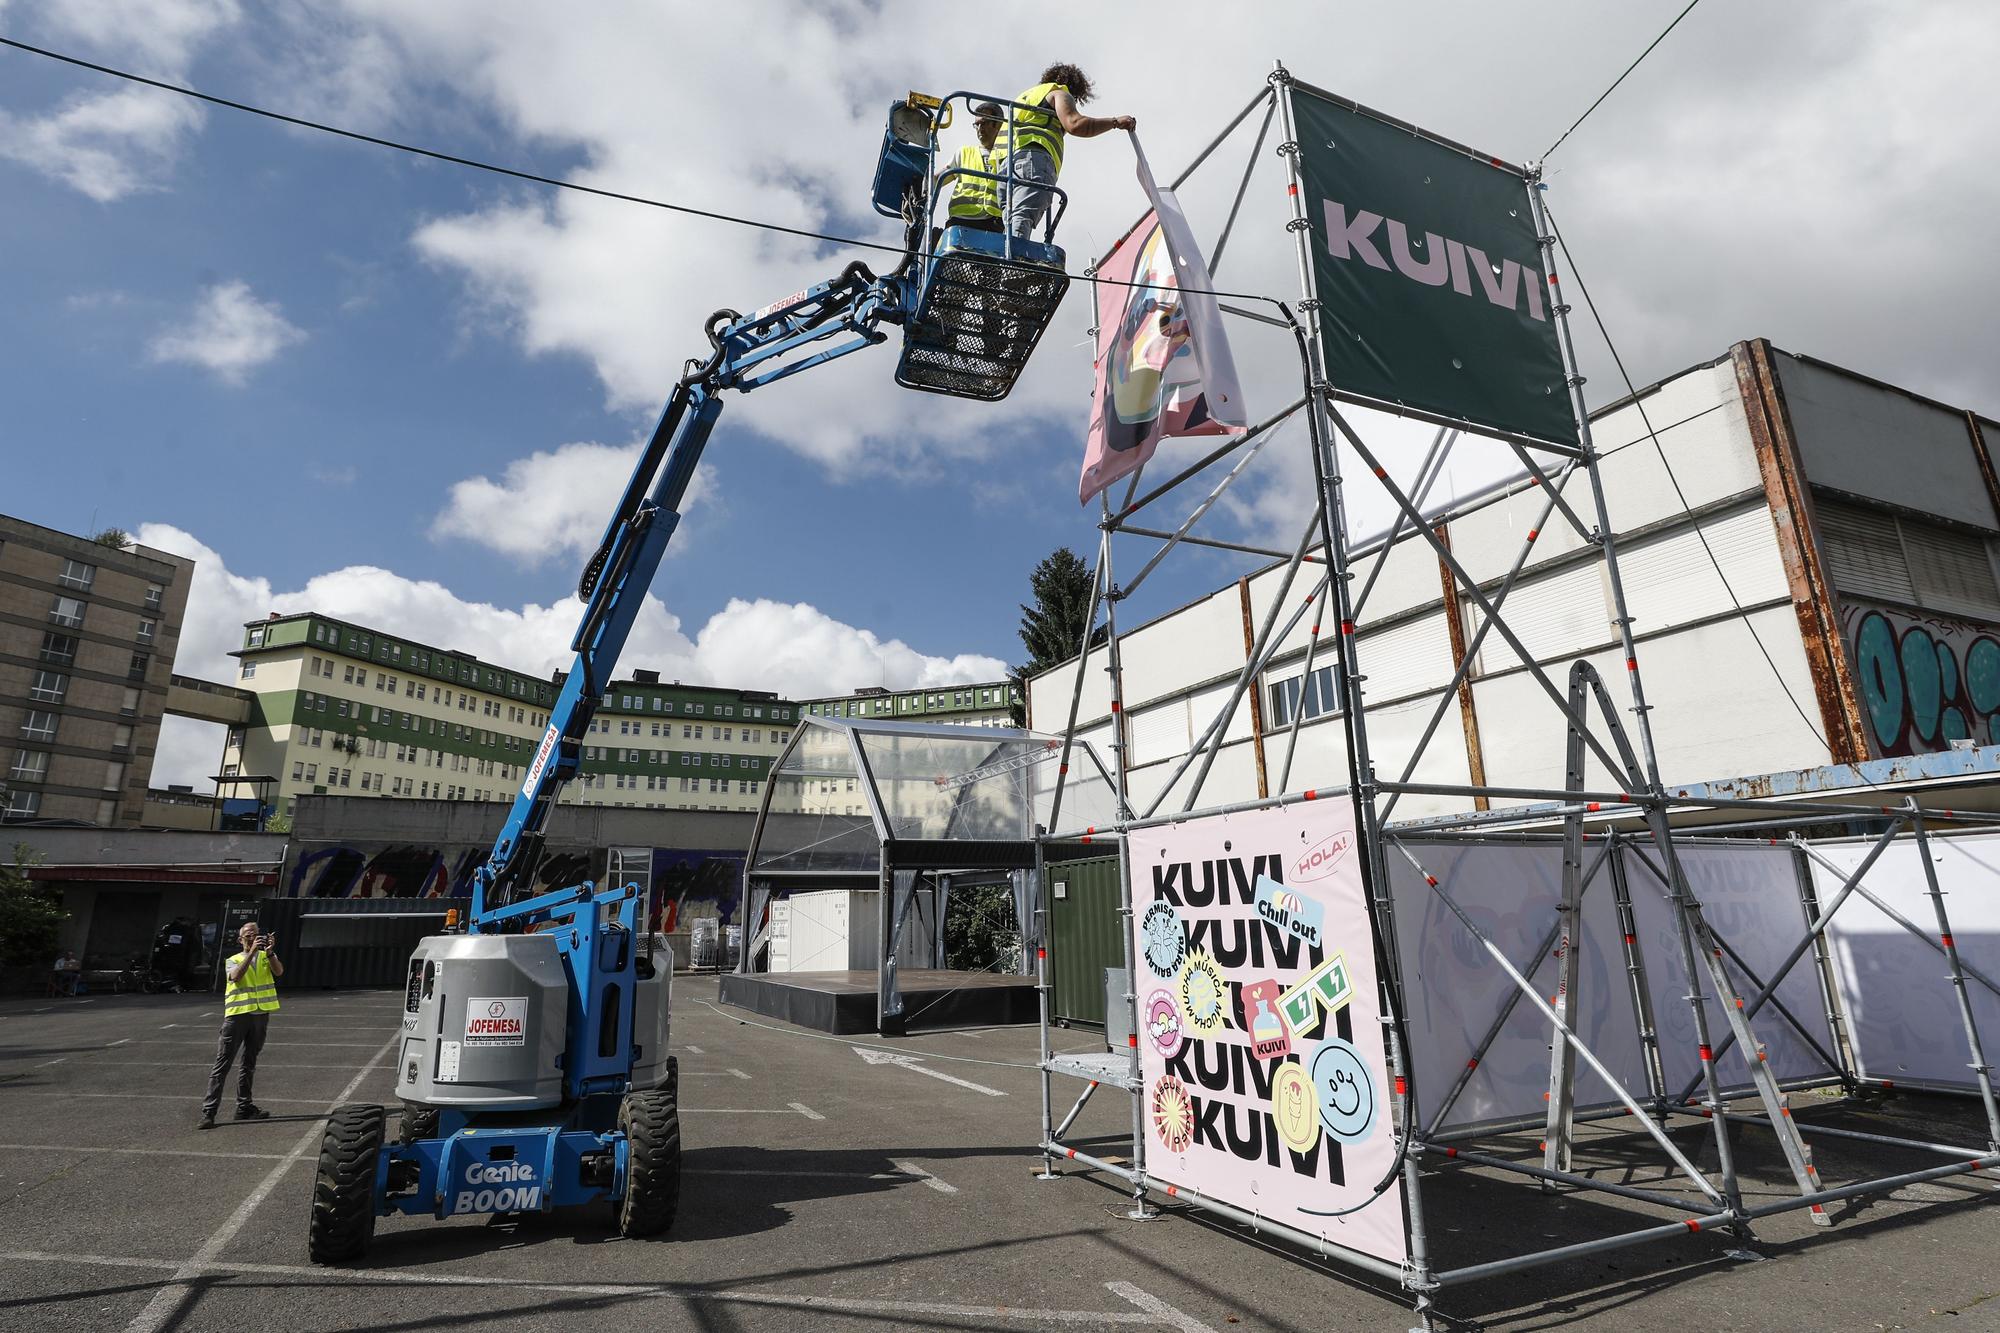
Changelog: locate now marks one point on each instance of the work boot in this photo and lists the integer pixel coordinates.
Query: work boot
(252, 1113)
(206, 1122)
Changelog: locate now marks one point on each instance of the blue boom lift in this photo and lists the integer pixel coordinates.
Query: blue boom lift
(533, 1068)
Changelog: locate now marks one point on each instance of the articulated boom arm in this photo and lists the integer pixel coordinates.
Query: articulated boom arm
(747, 352)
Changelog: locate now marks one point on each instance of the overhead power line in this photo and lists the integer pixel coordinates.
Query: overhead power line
(1622, 77)
(553, 182)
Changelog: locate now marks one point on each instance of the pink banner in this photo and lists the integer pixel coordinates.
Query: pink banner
(1163, 362)
(1260, 1040)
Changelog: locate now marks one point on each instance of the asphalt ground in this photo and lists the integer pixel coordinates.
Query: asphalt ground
(826, 1192)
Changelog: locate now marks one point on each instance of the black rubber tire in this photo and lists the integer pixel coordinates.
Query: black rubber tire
(651, 1123)
(343, 1199)
(419, 1122)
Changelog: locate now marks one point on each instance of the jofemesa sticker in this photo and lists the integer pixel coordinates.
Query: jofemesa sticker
(1346, 1093)
(1173, 1113)
(1165, 943)
(1295, 1107)
(1204, 993)
(1288, 911)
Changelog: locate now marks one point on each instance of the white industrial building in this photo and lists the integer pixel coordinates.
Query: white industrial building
(1854, 527)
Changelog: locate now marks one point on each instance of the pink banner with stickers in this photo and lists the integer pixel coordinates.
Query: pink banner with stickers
(1260, 1039)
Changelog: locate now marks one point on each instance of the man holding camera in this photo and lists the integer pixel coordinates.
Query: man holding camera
(251, 999)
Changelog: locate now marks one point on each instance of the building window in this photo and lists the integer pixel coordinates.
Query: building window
(139, 666)
(121, 737)
(249, 670)
(298, 770)
(146, 631)
(153, 593)
(78, 575)
(129, 706)
(1877, 554)
(39, 726)
(256, 639)
(48, 687)
(30, 766)
(58, 649)
(67, 612)
(22, 804)
(1321, 695)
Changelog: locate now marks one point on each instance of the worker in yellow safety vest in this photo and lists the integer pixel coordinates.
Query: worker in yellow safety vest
(249, 1001)
(1033, 146)
(975, 200)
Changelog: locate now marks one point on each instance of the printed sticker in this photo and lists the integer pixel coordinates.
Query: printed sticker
(447, 1062)
(1289, 911)
(1166, 945)
(1295, 1107)
(1204, 993)
(1328, 987)
(1346, 1093)
(1173, 1114)
(1163, 1022)
(1270, 1038)
(501, 1021)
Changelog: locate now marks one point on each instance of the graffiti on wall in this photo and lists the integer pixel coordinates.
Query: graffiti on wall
(1925, 681)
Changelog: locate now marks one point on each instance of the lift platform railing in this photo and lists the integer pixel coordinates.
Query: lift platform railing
(1005, 179)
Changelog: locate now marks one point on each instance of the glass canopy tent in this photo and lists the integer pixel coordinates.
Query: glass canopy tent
(855, 804)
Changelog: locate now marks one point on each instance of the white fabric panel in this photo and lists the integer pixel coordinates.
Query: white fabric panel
(1901, 1015)
(1205, 704)
(1553, 614)
(1415, 655)
(1454, 989)
(1750, 899)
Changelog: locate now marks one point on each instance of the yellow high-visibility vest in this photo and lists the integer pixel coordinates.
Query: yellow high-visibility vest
(1033, 129)
(975, 196)
(255, 992)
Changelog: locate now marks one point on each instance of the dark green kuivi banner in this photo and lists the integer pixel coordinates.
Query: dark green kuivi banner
(1428, 274)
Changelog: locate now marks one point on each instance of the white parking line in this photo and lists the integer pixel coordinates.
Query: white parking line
(694, 1050)
(1152, 1311)
(167, 1302)
(165, 1026)
(209, 1064)
(92, 1149)
(912, 1169)
(157, 1096)
(806, 1111)
(737, 1073)
(120, 1042)
(46, 1063)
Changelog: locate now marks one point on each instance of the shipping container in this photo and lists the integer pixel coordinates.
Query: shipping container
(1083, 937)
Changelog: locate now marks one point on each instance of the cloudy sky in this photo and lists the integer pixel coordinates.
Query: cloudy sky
(391, 389)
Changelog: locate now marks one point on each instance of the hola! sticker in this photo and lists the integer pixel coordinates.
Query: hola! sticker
(1295, 1107)
(1165, 945)
(1204, 993)
(1163, 1022)
(1173, 1113)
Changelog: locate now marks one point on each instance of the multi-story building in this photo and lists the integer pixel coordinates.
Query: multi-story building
(987, 703)
(87, 637)
(344, 709)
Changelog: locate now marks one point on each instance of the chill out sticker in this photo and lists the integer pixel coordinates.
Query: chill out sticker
(1290, 912)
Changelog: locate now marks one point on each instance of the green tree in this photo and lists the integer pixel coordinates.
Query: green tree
(30, 914)
(1052, 629)
(278, 824)
(979, 930)
(116, 538)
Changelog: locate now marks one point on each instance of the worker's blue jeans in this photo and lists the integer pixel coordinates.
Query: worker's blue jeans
(1029, 205)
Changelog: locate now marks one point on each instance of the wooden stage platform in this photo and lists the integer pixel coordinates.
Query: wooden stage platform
(844, 1002)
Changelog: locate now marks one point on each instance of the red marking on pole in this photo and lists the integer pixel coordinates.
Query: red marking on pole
(1534, 533)
(1706, 1054)
(1093, 1083)
(1947, 941)
(1347, 627)
(1402, 1085)
(1739, 999)
(1312, 793)
(1062, 768)
(1888, 1083)
(1292, 188)
(1132, 1040)
(1761, 1057)
(1552, 279)
(1785, 1111)
(1431, 880)
(1069, 1152)
(1534, 481)
(1451, 1152)
(1041, 953)
(1173, 1191)
(1631, 664)
(1592, 806)
(1692, 1224)
(1545, 1096)
(1315, 629)
(1496, 161)
(1630, 938)
(1543, 1146)
(1625, 796)
(1116, 706)
(1382, 473)
(1473, 1063)
(1818, 1208)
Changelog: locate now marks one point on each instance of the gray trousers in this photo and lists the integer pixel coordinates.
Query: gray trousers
(1029, 205)
(244, 1032)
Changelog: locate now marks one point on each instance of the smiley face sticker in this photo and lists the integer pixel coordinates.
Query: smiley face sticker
(1295, 1107)
(1164, 944)
(1204, 993)
(1347, 1099)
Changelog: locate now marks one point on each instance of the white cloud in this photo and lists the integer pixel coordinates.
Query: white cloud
(795, 650)
(229, 332)
(109, 144)
(555, 502)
